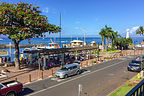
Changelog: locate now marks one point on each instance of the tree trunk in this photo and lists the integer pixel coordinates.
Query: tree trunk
(103, 44)
(17, 61)
(107, 44)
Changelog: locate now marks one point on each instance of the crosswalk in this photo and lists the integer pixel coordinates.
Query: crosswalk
(60, 80)
(125, 58)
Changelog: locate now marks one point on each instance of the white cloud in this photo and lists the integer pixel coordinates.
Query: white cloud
(46, 10)
(134, 29)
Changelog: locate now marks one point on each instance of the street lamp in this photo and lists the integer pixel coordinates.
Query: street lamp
(141, 57)
(98, 51)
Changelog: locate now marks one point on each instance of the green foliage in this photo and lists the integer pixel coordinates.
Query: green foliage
(111, 49)
(94, 61)
(140, 30)
(23, 21)
(124, 42)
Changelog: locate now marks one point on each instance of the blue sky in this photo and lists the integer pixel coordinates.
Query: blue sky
(90, 16)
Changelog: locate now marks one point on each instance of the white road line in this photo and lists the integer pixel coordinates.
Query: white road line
(73, 79)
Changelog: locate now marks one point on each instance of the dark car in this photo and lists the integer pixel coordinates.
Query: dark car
(134, 65)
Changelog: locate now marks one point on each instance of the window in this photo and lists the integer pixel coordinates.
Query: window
(1, 86)
(74, 67)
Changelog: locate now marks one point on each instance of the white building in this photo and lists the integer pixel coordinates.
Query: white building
(127, 34)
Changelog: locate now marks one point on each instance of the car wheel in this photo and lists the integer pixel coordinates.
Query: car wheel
(66, 76)
(128, 69)
(11, 94)
(78, 72)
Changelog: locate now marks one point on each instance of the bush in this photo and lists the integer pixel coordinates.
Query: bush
(94, 61)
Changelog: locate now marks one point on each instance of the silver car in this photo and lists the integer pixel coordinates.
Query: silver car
(68, 70)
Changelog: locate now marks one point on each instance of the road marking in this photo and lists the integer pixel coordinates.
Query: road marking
(122, 58)
(73, 79)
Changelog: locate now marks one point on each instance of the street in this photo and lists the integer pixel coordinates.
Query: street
(97, 80)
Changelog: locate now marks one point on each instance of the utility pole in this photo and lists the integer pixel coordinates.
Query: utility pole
(84, 38)
(10, 50)
(60, 32)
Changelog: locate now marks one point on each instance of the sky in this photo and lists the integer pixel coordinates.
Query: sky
(90, 16)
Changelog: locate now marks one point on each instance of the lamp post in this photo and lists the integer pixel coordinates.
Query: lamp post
(98, 51)
(141, 62)
(141, 57)
(134, 47)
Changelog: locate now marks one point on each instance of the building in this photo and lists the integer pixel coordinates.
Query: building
(93, 43)
(127, 34)
(77, 43)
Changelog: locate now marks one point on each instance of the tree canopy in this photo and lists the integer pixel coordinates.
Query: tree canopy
(23, 21)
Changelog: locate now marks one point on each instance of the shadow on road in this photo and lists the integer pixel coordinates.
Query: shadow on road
(83, 70)
(26, 91)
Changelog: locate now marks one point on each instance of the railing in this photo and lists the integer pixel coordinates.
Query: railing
(138, 90)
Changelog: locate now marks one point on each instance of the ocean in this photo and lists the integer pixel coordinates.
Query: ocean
(64, 40)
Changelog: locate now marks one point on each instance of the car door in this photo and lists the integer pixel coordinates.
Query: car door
(74, 70)
(70, 71)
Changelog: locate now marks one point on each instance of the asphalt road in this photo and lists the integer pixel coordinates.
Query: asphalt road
(98, 80)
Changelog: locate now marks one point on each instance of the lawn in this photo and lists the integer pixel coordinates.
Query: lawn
(124, 89)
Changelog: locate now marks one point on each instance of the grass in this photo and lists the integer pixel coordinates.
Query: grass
(108, 57)
(124, 89)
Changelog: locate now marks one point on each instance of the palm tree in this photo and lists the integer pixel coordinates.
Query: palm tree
(102, 33)
(108, 31)
(115, 38)
(140, 30)
(115, 35)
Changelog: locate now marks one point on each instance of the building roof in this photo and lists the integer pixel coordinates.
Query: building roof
(77, 41)
(142, 42)
(93, 42)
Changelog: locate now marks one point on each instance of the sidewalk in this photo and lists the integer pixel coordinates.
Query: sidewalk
(23, 75)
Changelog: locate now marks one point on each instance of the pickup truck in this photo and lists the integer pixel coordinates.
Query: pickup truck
(11, 88)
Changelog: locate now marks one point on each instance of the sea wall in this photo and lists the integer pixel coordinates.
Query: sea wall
(6, 46)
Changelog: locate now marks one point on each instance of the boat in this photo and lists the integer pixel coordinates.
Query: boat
(52, 45)
(1, 39)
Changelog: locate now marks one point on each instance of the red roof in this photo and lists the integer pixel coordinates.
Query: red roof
(142, 42)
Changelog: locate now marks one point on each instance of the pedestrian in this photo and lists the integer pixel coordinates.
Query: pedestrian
(21, 59)
(9, 59)
(0, 60)
(5, 59)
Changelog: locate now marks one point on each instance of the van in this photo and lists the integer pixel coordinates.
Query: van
(68, 70)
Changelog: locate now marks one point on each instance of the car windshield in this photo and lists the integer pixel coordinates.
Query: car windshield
(137, 62)
(64, 68)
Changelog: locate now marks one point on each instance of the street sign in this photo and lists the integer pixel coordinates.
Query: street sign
(3, 53)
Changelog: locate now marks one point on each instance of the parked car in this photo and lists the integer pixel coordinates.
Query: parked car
(77, 61)
(11, 88)
(68, 70)
(135, 65)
